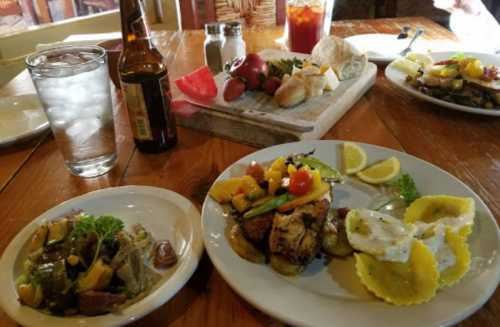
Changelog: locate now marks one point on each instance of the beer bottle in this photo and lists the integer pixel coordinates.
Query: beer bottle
(144, 82)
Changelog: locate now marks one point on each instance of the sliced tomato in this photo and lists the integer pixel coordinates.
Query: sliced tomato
(199, 84)
(300, 183)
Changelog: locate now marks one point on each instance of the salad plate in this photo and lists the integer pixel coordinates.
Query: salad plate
(398, 79)
(165, 214)
(328, 292)
(21, 117)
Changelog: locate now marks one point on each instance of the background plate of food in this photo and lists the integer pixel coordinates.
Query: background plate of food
(419, 244)
(461, 81)
(105, 258)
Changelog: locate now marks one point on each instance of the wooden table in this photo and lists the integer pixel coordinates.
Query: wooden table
(34, 179)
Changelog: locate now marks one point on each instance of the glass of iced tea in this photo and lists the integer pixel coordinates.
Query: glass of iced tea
(305, 19)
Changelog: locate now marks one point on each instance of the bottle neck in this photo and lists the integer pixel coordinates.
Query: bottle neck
(134, 27)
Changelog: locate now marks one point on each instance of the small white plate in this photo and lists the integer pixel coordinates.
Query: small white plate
(382, 48)
(21, 117)
(332, 295)
(167, 215)
(398, 78)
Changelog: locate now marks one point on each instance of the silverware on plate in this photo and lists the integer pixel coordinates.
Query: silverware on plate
(418, 32)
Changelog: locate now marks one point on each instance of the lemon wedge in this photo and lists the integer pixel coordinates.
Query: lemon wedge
(380, 172)
(354, 158)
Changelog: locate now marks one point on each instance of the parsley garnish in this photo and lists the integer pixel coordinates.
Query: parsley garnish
(405, 190)
(104, 227)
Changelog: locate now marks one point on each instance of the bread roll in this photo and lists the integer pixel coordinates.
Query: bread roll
(344, 59)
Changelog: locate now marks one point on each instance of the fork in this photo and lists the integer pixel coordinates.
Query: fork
(418, 32)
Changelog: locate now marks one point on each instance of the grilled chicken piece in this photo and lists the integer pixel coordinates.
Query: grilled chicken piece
(256, 229)
(297, 237)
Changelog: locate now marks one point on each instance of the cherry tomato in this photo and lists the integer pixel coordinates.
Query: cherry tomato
(199, 85)
(233, 89)
(256, 171)
(300, 183)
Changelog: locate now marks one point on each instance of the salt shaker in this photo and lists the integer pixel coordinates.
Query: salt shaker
(233, 45)
(213, 47)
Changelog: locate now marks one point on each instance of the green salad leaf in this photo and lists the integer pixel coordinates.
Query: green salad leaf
(104, 227)
(406, 190)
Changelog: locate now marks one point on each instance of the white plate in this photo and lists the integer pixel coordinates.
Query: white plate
(382, 48)
(397, 78)
(21, 117)
(333, 295)
(167, 215)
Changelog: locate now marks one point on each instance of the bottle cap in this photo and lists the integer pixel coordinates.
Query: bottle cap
(213, 28)
(232, 29)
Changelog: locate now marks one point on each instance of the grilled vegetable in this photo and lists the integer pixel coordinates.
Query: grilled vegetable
(325, 170)
(97, 278)
(58, 231)
(38, 239)
(268, 206)
(240, 202)
(301, 200)
(30, 294)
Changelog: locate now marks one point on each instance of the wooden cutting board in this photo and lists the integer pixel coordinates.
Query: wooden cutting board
(256, 119)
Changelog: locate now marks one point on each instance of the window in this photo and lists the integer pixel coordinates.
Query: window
(20, 14)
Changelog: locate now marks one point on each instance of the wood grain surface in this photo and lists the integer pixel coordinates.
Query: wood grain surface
(34, 179)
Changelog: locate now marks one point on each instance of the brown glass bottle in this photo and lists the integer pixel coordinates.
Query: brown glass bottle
(144, 82)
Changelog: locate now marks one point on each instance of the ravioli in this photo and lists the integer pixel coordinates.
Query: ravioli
(401, 283)
(460, 249)
(381, 235)
(452, 211)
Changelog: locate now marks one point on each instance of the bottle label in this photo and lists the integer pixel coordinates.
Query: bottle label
(137, 111)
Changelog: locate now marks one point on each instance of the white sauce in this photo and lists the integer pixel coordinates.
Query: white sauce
(388, 239)
(438, 246)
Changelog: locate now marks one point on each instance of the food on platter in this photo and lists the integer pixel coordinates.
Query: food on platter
(81, 264)
(280, 210)
(199, 85)
(284, 215)
(290, 81)
(345, 60)
(308, 82)
(459, 79)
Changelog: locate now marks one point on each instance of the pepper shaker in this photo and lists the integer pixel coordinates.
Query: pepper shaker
(233, 45)
(213, 46)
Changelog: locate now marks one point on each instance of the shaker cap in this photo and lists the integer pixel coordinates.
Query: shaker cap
(213, 28)
(232, 29)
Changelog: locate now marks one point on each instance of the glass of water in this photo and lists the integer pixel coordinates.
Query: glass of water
(73, 85)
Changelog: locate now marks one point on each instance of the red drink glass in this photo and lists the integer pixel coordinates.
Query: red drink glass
(305, 24)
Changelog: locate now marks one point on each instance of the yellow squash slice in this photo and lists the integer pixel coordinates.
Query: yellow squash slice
(431, 208)
(460, 248)
(412, 282)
